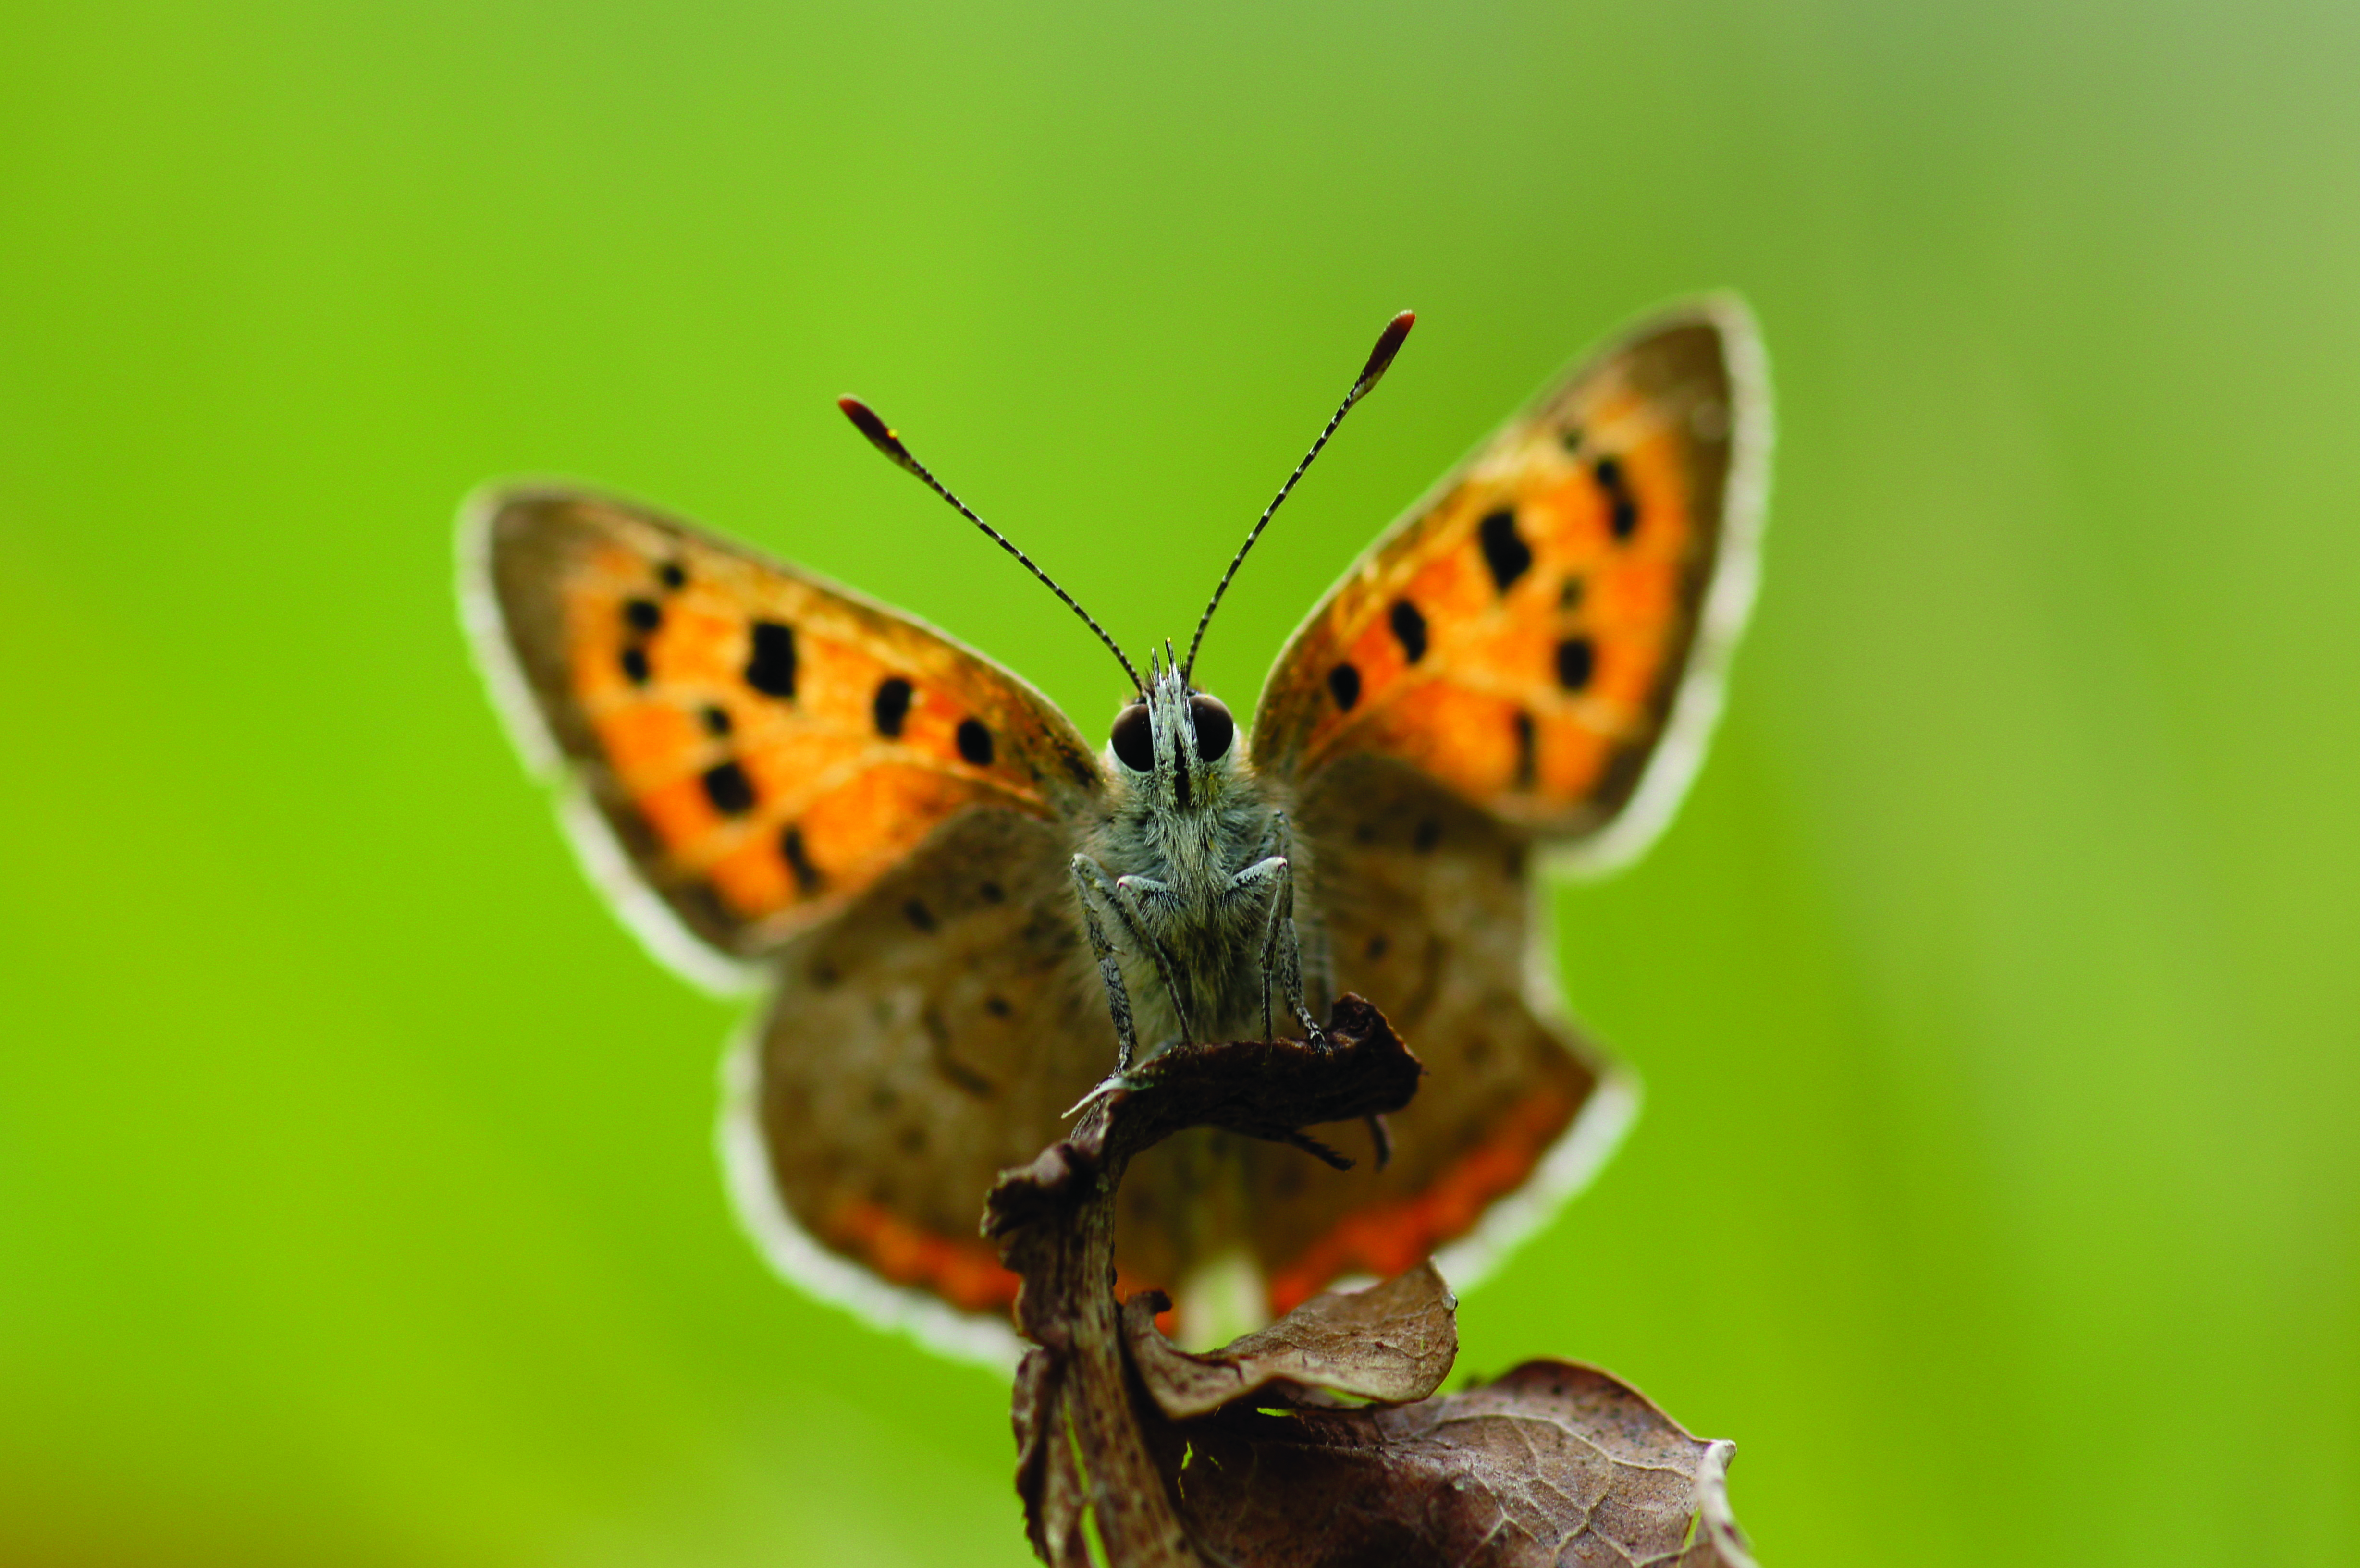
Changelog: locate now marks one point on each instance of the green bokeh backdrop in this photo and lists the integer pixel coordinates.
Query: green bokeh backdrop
(1994, 994)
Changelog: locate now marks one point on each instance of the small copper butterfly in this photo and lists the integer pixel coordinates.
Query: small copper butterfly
(966, 916)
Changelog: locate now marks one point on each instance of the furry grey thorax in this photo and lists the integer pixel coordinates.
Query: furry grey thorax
(1188, 876)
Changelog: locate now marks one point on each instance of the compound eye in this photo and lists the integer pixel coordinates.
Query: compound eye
(1215, 728)
(1134, 743)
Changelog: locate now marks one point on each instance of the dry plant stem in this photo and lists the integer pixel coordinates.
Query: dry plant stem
(1080, 1393)
(1081, 1420)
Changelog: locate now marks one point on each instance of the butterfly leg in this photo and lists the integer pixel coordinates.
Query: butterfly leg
(1093, 887)
(1115, 897)
(1136, 896)
(1282, 954)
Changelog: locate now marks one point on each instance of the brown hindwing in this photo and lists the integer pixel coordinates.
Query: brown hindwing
(928, 1040)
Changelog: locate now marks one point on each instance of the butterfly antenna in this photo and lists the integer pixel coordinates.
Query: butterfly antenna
(880, 436)
(1380, 357)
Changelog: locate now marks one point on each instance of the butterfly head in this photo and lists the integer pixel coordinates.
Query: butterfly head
(1176, 746)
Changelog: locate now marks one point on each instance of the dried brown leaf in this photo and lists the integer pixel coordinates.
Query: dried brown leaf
(1391, 1343)
(1554, 1464)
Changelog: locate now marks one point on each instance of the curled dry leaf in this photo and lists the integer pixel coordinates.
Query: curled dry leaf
(1268, 1089)
(1553, 1464)
(1391, 1343)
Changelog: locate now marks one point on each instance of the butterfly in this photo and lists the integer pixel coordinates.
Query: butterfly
(966, 916)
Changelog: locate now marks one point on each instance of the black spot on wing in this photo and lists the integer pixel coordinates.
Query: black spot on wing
(1568, 596)
(919, 915)
(891, 705)
(726, 786)
(1428, 834)
(716, 721)
(808, 877)
(1344, 685)
(975, 742)
(1505, 549)
(992, 892)
(635, 666)
(1409, 630)
(961, 1076)
(1623, 516)
(642, 615)
(1576, 661)
(771, 669)
(672, 574)
(996, 1006)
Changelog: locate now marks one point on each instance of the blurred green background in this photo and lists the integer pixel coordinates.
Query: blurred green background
(1996, 1187)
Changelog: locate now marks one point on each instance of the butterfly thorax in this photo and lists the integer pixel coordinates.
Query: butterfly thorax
(1175, 834)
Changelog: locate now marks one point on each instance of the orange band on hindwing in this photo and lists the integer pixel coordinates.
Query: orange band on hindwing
(962, 1270)
(1388, 1236)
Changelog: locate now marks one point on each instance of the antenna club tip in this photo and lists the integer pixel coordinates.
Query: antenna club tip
(881, 435)
(1381, 358)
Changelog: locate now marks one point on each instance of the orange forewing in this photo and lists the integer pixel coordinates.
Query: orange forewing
(1521, 636)
(763, 744)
